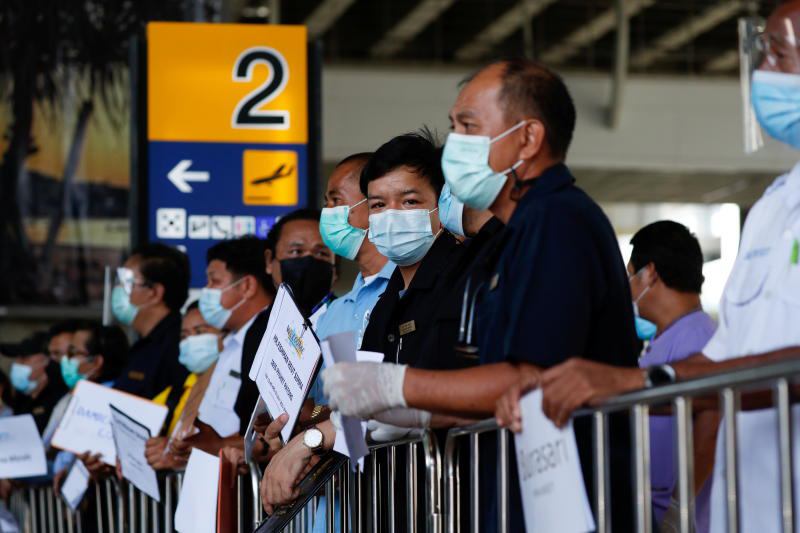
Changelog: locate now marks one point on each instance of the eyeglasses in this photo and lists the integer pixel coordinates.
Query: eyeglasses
(125, 278)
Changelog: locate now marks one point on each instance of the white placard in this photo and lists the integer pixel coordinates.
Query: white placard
(21, 449)
(553, 494)
(289, 356)
(197, 502)
(87, 424)
(350, 439)
(75, 485)
(129, 440)
(277, 303)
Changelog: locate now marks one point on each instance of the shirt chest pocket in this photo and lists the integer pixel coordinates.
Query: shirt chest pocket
(786, 268)
(749, 277)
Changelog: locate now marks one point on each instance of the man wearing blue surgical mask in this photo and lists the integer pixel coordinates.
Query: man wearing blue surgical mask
(237, 298)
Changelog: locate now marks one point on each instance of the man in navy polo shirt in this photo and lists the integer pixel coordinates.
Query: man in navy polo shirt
(556, 284)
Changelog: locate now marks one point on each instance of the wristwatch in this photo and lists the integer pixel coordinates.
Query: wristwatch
(658, 375)
(314, 440)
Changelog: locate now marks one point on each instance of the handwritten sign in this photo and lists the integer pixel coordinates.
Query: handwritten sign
(21, 449)
(289, 356)
(87, 424)
(550, 479)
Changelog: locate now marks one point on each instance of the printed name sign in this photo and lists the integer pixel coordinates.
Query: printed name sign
(86, 426)
(550, 479)
(21, 450)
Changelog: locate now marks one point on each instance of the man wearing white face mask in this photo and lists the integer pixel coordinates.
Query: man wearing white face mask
(236, 298)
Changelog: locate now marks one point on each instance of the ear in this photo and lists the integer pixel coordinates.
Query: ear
(100, 362)
(158, 288)
(268, 261)
(250, 286)
(533, 141)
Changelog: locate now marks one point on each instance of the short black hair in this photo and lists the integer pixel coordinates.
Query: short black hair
(68, 325)
(531, 90)
(417, 151)
(243, 256)
(168, 266)
(112, 344)
(674, 251)
(192, 306)
(34, 344)
(8, 390)
(274, 235)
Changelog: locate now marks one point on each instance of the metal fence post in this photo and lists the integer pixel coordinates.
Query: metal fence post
(682, 407)
(730, 407)
(641, 431)
(785, 433)
(602, 508)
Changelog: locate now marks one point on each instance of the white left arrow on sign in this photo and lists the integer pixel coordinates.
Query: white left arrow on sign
(180, 175)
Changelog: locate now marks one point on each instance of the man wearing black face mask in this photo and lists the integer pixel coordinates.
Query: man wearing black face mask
(296, 255)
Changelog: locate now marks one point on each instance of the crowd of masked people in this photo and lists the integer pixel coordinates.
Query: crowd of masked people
(484, 272)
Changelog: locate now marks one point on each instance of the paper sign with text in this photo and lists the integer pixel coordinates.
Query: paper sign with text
(289, 357)
(87, 424)
(553, 494)
(21, 449)
(75, 485)
(129, 440)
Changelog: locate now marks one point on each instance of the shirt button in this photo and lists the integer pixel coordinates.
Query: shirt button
(391, 337)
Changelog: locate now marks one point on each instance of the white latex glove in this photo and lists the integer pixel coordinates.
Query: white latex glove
(380, 432)
(362, 389)
(404, 417)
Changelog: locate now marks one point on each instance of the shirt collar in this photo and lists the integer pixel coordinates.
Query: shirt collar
(238, 337)
(167, 324)
(793, 187)
(385, 273)
(433, 263)
(554, 178)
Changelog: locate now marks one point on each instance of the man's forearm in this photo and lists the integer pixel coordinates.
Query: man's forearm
(471, 392)
(700, 365)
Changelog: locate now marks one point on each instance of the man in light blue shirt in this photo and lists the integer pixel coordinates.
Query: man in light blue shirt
(344, 224)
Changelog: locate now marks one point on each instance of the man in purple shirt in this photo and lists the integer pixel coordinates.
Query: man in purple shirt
(666, 273)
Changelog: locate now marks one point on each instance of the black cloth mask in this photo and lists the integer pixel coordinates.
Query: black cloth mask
(309, 278)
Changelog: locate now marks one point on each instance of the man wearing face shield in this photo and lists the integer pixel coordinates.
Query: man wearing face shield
(153, 284)
(556, 285)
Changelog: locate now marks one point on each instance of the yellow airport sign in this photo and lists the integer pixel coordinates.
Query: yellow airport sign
(227, 83)
(270, 177)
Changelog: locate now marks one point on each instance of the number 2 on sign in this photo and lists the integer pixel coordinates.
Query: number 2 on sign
(248, 113)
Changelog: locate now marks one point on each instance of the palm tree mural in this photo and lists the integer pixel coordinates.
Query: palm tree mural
(56, 53)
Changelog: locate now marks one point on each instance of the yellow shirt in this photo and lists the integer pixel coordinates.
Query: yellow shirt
(161, 399)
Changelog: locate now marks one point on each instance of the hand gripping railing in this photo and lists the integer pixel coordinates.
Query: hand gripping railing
(728, 386)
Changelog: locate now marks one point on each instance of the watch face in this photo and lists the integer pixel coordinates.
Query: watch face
(312, 438)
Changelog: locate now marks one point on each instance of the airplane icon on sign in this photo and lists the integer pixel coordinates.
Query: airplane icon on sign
(278, 174)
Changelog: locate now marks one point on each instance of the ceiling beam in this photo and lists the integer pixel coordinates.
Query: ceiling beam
(325, 16)
(723, 63)
(590, 32)
(691, 28)
(409, 27)
(500, 29)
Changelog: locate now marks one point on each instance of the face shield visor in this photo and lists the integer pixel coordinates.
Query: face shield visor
(770, 80)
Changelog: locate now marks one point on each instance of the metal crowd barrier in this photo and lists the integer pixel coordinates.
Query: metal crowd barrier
(728, 387)
(404, 478)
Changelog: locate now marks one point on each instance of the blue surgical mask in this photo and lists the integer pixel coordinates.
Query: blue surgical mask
(403, 236)
(69, 371)
(121, 305)
(211, 305)
(465, 162)
(20, 378)
(343, 239)
(451, 211)
(198, 352)
(776, 101)
(645, 329)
